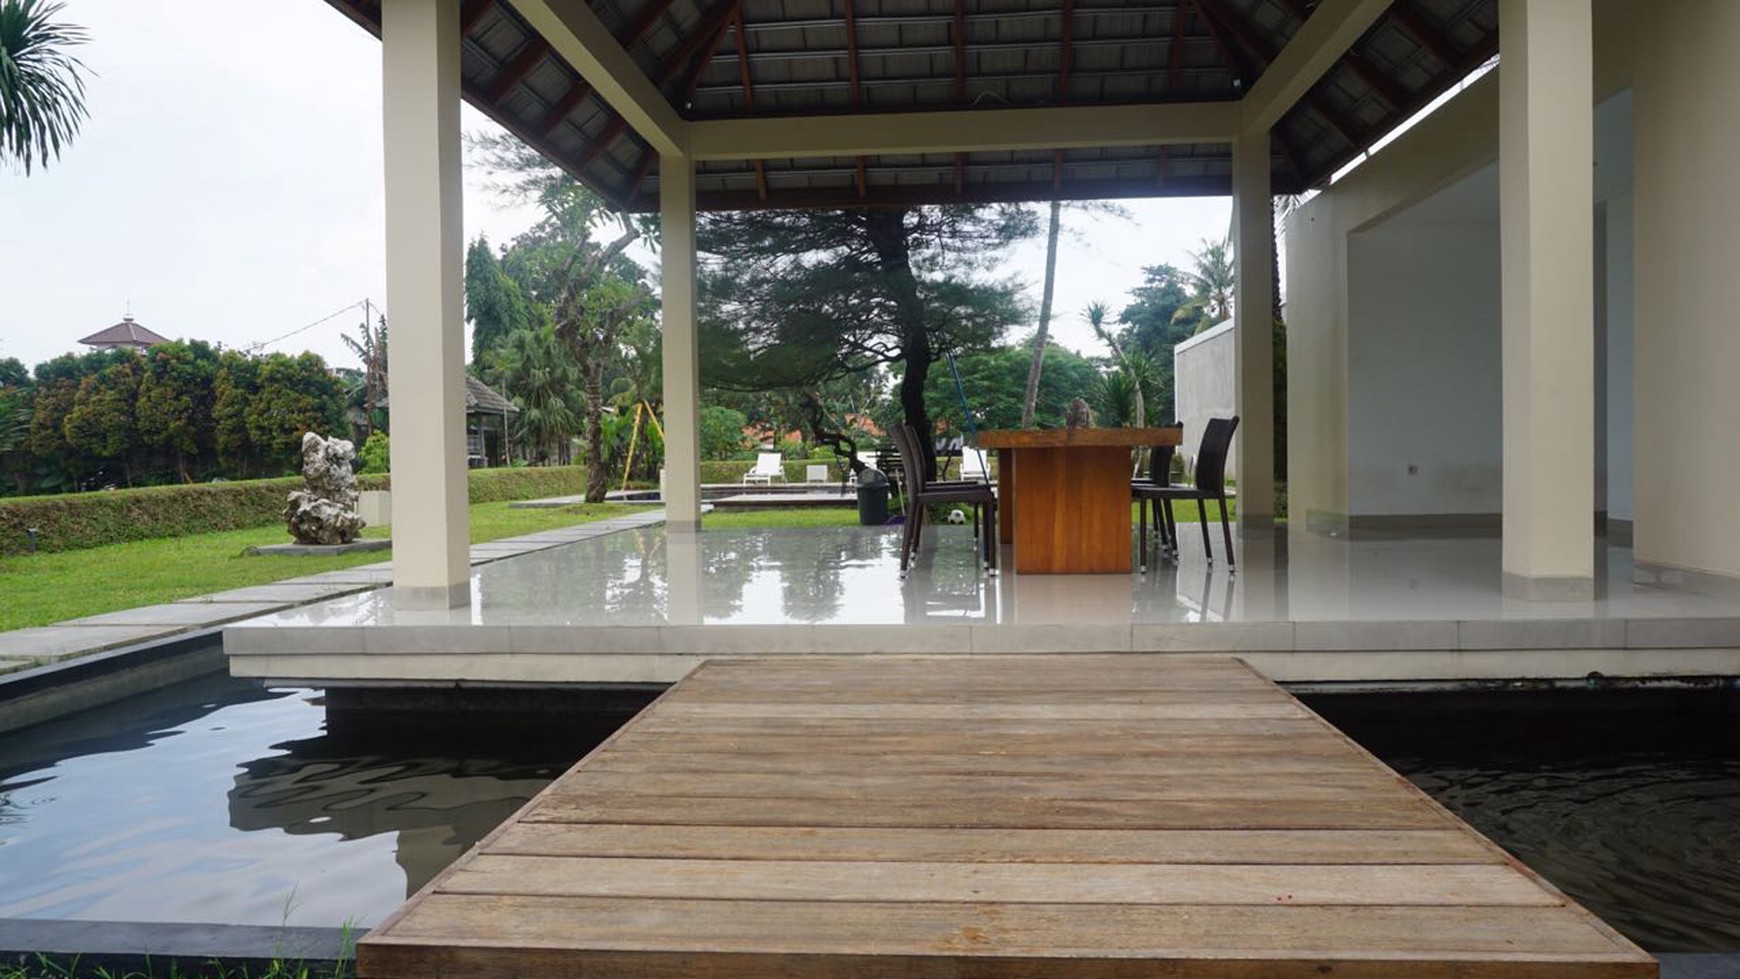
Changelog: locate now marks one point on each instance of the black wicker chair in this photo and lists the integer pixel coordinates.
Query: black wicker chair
(921, 494)
(1210, 485)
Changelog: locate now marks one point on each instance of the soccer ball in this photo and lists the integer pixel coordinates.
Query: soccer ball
(957, 516)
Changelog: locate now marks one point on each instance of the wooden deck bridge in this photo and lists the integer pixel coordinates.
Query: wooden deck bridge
(1071, 816)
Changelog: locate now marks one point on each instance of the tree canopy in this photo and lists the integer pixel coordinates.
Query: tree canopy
(794, 299)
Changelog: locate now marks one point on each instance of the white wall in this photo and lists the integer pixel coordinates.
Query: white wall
(1424, 402)
(1202, 380)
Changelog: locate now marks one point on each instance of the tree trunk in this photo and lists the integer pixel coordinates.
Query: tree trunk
(1040, 338)
(887, 231)
(597, 480)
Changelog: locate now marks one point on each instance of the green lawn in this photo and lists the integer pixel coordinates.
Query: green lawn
(36, 589)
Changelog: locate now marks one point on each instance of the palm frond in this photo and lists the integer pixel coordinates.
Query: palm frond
(42, 90)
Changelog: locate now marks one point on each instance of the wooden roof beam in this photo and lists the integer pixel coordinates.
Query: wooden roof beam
(576, 33)
(471, 13)
(630, 35)
(515, 71)
(1431, 39)
(748, 95)
(1312, 98)
(862, 177)
(1325, 37)
(964, 130)
(717, 24)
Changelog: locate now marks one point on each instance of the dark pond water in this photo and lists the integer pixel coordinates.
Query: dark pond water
(1628, 801)
(218, 801)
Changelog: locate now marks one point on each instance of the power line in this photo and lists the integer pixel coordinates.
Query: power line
(362, 304)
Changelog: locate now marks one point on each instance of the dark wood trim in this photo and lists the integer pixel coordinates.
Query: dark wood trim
(846, 197)
(1432, 40)
(515, 71)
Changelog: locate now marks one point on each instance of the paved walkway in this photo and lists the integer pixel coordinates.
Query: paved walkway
(22, 649)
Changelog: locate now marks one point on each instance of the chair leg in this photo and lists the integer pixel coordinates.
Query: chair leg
(1142, 535)
(1226, 533)
(905, 546)
(1171, 527)
(1202, 521)
(991, 543)
(1167, 544)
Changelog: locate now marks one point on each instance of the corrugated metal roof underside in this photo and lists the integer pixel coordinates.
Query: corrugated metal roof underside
(724, 59)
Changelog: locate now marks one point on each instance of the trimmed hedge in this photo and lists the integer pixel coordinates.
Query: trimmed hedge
(77, 520)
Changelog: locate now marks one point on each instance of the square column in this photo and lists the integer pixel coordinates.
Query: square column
(682, 352)
(1547, 248)
(425, 383)
(1253, 331)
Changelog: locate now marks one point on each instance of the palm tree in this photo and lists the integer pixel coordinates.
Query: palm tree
(372, 351)
(537, 372)
(1039, 338)
(42, 95)
(1212, 282)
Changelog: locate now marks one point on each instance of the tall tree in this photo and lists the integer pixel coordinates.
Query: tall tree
(296, 395)
(535, 371)
(370, 347)
(591, 292)
(103, 421)
(1211, 280)
(233, 391)
(1042, 336)
(42, 91)
(995, 384)
(793, 299)
(174, 411)
(493, 302)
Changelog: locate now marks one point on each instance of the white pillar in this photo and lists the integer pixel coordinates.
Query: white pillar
(1253, 330)
(426, 386)
(682, 364)
(1547, 245)
(1687, 234)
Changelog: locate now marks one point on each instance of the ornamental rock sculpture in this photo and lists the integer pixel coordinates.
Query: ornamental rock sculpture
(324, 511)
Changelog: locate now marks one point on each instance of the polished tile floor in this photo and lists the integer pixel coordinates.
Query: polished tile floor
(848, 576)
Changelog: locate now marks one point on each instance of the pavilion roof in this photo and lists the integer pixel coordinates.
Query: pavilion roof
(124, 333)
(767, 59)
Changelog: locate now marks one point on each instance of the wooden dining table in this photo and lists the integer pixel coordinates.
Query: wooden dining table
(1063, 497)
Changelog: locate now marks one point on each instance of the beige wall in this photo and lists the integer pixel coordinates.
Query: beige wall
(1686, 113)
(1452, 143)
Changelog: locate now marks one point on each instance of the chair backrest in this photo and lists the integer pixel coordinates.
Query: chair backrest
(769, 464)
(973, 464)
(911, 462)
(815, 474)
(1160, 464)
(1211, 454)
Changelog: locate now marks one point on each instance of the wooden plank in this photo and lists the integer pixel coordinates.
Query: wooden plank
(847, 784)
(1091, 817)
(754, 843)
(1272, 812)
(1054, 931)
(1270, 765)
(1079, 710)
(1492, 885)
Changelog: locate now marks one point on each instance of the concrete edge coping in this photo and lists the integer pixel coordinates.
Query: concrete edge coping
(128, 946)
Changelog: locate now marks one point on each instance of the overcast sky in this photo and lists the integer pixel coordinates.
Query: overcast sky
(227, 187)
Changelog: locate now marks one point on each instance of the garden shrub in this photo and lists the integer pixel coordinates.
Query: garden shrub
(72, 521)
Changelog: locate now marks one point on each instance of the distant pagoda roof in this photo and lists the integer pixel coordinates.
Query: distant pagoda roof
(126, 333)
(480, 399)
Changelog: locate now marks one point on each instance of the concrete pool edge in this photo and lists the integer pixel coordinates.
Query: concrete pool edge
(125, 946)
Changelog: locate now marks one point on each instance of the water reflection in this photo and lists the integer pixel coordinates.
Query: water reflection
(218, 801)
(1629, 801)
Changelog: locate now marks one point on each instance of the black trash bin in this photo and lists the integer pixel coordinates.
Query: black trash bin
(872, 498)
